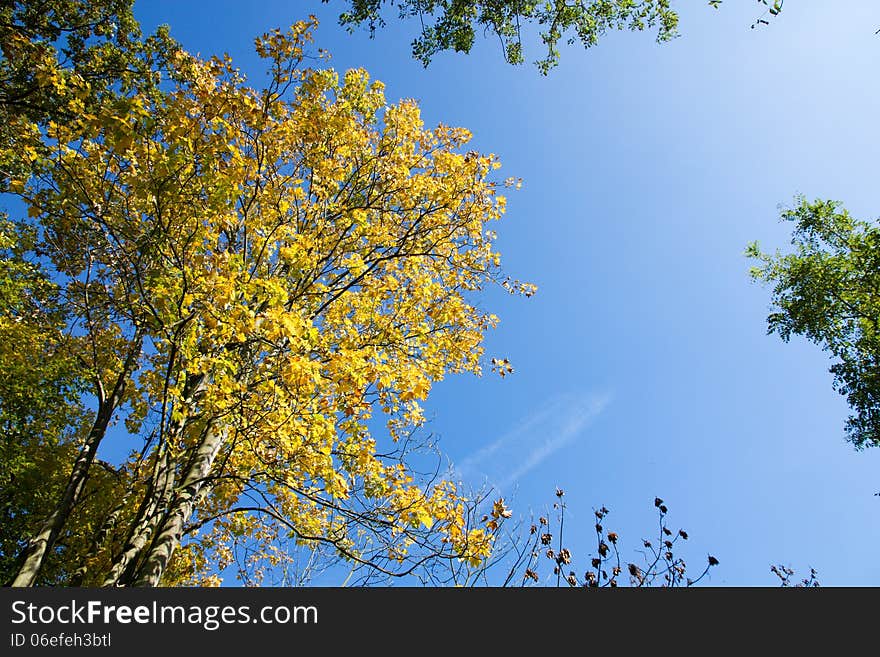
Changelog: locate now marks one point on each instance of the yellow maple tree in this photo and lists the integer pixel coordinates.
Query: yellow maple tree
(264, 284)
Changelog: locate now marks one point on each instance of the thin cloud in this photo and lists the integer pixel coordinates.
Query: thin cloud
(538, 436)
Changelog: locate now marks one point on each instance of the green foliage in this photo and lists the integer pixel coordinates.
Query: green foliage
(39, 398)
(58, 57)
(453, 24)
(774, 8)
(59, 60)
(828, 290)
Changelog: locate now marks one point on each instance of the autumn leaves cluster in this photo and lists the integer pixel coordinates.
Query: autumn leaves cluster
(258, 287)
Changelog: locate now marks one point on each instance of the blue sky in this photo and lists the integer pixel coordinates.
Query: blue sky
(642, 367)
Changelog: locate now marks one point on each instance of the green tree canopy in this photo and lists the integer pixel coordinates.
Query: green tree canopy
(828, 290)
(58, 57)
(454, 24)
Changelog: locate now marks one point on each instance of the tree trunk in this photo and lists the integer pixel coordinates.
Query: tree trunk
(185, 499)
(148, 516)
(44, 541)
(41, 544)
(157, 500)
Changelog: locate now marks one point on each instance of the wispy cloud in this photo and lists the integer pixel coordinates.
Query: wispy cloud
(537, 436)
